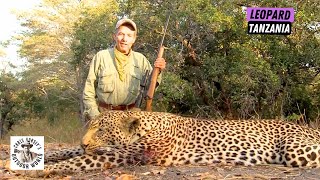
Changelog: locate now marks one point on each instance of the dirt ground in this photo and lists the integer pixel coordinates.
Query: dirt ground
(270, 172)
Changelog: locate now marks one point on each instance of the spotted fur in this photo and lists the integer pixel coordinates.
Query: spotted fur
(63, 154)
(118, 138)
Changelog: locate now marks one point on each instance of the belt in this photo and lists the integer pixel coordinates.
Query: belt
(119, 107)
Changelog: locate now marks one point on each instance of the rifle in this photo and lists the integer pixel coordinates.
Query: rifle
(155, 72)
(143, 86)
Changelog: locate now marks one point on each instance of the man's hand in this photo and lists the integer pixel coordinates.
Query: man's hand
(160, 63)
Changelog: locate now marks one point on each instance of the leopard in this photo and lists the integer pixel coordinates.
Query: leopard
(122, 138)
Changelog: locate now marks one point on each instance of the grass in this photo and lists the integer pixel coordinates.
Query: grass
(67, 129)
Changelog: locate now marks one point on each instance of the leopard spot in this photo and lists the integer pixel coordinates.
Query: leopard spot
(294, 164)
(312, 156)
(111, 159)
(243, 158)
(259, 158)
(98, 164)
(88, 161)
(198, 160)
(162, 161)
(253, 161)
(308, 149)
(303, 161)
(239, 163)
(83, 157)
(78, 164)
(102, 159)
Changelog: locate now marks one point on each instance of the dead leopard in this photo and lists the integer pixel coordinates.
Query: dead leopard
(166, 139)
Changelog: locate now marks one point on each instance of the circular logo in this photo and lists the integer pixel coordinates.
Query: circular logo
(27, 152)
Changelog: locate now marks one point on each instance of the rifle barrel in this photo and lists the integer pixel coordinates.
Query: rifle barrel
(156, 71)
(165, 31)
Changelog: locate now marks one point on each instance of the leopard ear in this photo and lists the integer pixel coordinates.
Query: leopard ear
(130, 124)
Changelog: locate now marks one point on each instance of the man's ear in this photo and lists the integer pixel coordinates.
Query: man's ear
(129, 125)
(114, 36)
(135, 38)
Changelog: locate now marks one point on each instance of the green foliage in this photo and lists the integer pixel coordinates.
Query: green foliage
(12, 107)
(22, 100)
(176, 95)
(214, 69)
(93, 31)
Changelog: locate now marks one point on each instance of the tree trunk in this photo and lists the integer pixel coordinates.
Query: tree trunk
(79, 73)
(1, 123)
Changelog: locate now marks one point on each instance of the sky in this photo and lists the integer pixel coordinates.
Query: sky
(10, 26)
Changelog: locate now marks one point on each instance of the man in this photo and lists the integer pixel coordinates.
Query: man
(26, 156)
(115, 74)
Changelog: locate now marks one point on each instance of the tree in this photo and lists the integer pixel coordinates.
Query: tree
(9, 102)
(215, 69)
(47, 45)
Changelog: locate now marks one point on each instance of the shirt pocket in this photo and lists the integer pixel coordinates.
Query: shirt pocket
(136, 78)
(106, 82)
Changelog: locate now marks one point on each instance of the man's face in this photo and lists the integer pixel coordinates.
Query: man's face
(26, 148)
(124, 38)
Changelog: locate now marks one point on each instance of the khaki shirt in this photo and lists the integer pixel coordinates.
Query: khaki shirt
(103, 81)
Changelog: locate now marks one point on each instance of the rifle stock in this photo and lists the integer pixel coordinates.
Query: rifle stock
(153, 82)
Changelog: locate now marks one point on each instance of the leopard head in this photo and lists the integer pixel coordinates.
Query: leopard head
(111, 128)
